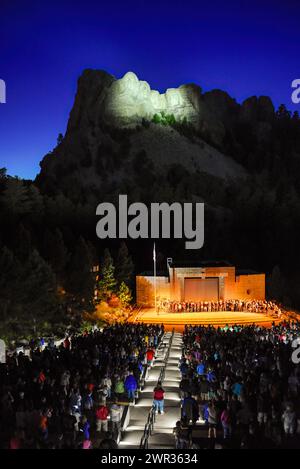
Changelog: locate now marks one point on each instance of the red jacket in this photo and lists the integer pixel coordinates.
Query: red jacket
(150, 355)
(159, 394)
(102, 413)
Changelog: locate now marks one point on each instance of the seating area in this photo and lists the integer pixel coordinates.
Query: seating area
(132, 386)
(74, 395)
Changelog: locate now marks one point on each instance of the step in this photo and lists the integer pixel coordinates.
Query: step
(158, 439)
(131, 438)
(162, 436)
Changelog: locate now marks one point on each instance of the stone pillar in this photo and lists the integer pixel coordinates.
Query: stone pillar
(221, 288)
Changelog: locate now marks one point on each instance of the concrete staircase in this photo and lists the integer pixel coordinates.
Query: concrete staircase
(162, 436)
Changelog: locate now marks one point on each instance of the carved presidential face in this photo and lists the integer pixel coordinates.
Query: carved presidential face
(155, 99)
(144, 90)
(173, 97)
(129, 84)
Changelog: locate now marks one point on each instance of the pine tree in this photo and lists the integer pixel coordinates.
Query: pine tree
(15, 197)
(22, 243)
(283, 113)
(35, 203)
(60, 138)
(156, 119)
(8, 269)
(81, 279)
(35, 291)
(124, 295)
(55, 251)
(124, 266)
(107, 282)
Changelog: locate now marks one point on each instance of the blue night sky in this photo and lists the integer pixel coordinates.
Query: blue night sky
(243, 47)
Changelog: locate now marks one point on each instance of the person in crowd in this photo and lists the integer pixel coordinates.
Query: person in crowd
(201, 368)
(183, 366)
(182, 434)
(237, 388)
(102, 413)
(226, 422)
(158, 398)
(190, 409)
(115, 419)
(85, 428)
(108, 442)
(107, 383)
(130, 386)
(119, 388)
(184, 387)
(176, 433)
(87, 444)
(212, 420)
(150, 356)
(15, 441)
(289, 420)
(263, 408)
(204, 388)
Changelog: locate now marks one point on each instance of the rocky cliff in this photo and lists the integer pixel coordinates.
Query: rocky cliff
(127, 101)
(111, 132)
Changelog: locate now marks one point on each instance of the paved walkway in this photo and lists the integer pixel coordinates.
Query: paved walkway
(162, 436)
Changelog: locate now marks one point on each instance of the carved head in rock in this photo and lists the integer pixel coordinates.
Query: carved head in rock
(129, 84)
(155, 99)
(144, 90)
(173, 97)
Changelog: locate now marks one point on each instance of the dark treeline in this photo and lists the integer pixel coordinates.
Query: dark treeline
(48, 260)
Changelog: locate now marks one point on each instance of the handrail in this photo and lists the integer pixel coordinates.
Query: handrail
(152, 415)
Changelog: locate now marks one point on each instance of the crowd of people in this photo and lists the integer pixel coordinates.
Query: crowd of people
(241, 382)
(244, 383)
(254, 306)
(72, 396)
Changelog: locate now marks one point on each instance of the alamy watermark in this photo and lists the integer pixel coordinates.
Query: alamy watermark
(163, 221)
(296, 352)
(296, 93)
(2, 92)
(2, 351)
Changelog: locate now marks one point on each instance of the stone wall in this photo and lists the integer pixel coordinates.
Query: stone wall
(250, 287)
(231, 286)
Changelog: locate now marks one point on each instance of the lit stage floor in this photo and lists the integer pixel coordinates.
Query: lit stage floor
(220, 318)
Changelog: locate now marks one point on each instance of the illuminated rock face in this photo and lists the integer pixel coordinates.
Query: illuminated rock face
(129, 100)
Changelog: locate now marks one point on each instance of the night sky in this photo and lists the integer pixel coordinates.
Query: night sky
(243, 47)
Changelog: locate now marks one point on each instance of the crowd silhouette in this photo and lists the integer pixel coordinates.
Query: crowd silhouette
(253, 306)
(71, 396)
(243, 383)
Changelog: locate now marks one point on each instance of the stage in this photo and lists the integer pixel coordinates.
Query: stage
(218, 318)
